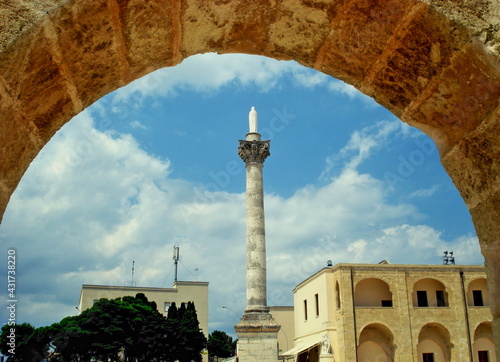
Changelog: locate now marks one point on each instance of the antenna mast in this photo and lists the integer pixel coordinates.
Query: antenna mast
(130, 282)
(176, 260)
(133, 262)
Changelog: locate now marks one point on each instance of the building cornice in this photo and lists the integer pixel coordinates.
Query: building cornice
(141, 289)
(392, 267)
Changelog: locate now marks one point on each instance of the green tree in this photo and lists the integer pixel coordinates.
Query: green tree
(220, 344)
(69, 340)
(181, 311)
(39, 344)
(172, 350)
(143, 297)
(193, 340)
(149, 340)
(172, 313)
(128, 325)
(15, 342)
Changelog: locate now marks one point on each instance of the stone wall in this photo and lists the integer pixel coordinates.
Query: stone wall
(399, 328)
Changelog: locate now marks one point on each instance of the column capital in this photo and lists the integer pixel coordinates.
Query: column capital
(254, 151)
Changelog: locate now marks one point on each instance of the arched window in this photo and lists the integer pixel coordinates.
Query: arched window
(372, 292)
(434, 343)
(477, 293)
(429, 293)
(376, 343)
(484, 348)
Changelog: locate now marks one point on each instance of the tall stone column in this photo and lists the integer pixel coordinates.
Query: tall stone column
(257, 330)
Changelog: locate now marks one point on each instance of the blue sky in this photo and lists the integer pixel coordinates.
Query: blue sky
(155, 164)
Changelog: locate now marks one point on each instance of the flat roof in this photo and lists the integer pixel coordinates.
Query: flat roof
(128, 288)
(135, 288)
(125, 287)
(384, 266)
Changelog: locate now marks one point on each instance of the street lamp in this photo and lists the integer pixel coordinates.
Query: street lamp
(224, 307)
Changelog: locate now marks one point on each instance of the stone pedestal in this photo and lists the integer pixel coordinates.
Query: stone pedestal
(257, 337)
(327, 358)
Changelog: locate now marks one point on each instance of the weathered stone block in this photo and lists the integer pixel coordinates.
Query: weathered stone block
(350, 51)
(86, 37)
(151, 32)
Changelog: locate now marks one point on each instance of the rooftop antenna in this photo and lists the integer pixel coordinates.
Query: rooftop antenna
(176, 260)
(133, 263)
(448, 258)
(131, 283)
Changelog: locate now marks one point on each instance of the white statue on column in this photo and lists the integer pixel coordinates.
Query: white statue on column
(252, 120)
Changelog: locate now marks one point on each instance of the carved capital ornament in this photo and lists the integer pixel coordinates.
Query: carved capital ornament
(254, 151)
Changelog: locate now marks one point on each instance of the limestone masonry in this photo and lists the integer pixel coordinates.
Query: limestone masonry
(257, 330)
(385, 312)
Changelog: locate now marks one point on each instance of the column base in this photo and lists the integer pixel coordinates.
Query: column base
(257, 337)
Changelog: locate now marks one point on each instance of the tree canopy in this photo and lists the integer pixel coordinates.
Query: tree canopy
(220, 344)
(122, 328)
(14, 341)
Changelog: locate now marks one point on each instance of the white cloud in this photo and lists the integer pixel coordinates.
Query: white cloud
(207, 73)
(414, 244)
(363, 143)
(138, 124)
(95, 201)
(424, 192)
(343, 88)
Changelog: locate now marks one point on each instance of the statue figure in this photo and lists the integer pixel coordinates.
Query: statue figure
(325, 345)
(252, 120)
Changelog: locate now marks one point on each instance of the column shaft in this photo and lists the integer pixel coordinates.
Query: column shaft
(255, 239)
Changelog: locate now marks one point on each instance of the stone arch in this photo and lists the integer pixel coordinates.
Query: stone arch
(377, 341)
(434, 64)
(434, 338)
(483, 342)
(373, 292)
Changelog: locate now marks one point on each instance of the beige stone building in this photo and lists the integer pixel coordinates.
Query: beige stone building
(196, 292)
(283, 315)
(385, 312)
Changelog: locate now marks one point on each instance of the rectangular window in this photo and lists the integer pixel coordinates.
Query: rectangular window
(428, 357)
(166, 305)
(483, 356)
(305, 309)
(440, 298)
(337, 294)
(316, 299)
(422, 298)
(478, 298)
(387, 303)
